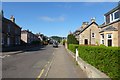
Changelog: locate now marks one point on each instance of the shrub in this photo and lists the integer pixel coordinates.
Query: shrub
(106, 59)
(36, 42)
(71, 39)
(72, 47)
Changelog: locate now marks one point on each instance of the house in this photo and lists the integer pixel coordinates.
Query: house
(110, 30)
(28, 37)
(89, 33)
(40, 36)
(77, 32)
(11, 32)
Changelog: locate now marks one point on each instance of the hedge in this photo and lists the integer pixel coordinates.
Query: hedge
(106, 59)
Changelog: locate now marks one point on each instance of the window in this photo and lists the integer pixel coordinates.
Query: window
(93, 35)
(2, 40)
(109, 36)
(116, 14)
(102, 36)
(102, 41)
(16, 31)
(16, 40)
(9, 27)
(111, 17)
(107, 19)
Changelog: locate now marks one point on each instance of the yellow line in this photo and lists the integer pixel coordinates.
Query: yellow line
(40, 74)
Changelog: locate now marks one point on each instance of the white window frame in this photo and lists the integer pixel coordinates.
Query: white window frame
(92, 35)
(102, 39)
(109, 39)
(113, 16)
(111, 36)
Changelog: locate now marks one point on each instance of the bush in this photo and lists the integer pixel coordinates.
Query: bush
(71, 39)
(106, 59)
(36, 42)
(72, 47)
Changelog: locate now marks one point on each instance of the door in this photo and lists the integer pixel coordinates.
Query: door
(110, 42)
(86, 41)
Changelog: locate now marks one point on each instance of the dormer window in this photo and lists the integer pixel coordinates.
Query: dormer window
(114, 16)
(117, 15)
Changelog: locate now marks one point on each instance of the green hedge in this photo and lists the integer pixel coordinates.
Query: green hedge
(106, 59)
(73, 47)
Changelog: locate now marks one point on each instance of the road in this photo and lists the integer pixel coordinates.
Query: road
(47, 62)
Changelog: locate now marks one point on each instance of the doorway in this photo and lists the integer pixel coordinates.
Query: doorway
(109, 42)
(86, 42)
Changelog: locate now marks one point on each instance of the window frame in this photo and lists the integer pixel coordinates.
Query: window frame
(93, 36)
(109, 34)
(112, 16)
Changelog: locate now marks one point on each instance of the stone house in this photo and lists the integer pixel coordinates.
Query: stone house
(110, 31)
(77, 32)
(28, 37)
(89, 33)
(11, 32)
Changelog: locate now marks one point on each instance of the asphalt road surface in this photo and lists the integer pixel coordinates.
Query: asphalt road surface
(46, 62)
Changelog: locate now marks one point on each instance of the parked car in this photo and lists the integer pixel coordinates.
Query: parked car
(55, 44)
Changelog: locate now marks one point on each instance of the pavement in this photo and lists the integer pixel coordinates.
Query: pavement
(46, 62)
(64, 66)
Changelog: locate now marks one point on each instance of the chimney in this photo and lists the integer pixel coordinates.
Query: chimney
(2, 13)
(93, 19)
(84, 24)
(12, 18)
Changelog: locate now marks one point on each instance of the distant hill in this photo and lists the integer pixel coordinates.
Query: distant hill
(57, 38)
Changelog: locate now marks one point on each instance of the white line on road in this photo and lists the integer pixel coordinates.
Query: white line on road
(49, 66)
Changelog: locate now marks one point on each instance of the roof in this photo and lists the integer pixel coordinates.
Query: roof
(5, 19)
(88, 26)
(114, 9)
(110, 28)
(104, 25)
(26, 31)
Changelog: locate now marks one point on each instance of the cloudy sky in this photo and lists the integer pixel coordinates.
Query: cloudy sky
(55, 18)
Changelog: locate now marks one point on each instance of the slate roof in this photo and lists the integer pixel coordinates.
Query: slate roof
(88, 26)
(9, 21)
(80, 30)
(114, 9)
(110, 28)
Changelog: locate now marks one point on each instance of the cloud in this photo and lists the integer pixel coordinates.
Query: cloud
(53, 19)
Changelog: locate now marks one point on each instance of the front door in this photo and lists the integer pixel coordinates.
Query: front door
(110, 42)
(86, 41)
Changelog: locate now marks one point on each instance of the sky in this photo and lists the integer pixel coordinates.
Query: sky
(55, 18)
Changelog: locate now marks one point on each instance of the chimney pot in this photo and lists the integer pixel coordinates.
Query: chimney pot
(93, 19)
(12, 18)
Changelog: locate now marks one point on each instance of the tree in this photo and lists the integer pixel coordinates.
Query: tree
(57, 38)
(71, 39)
